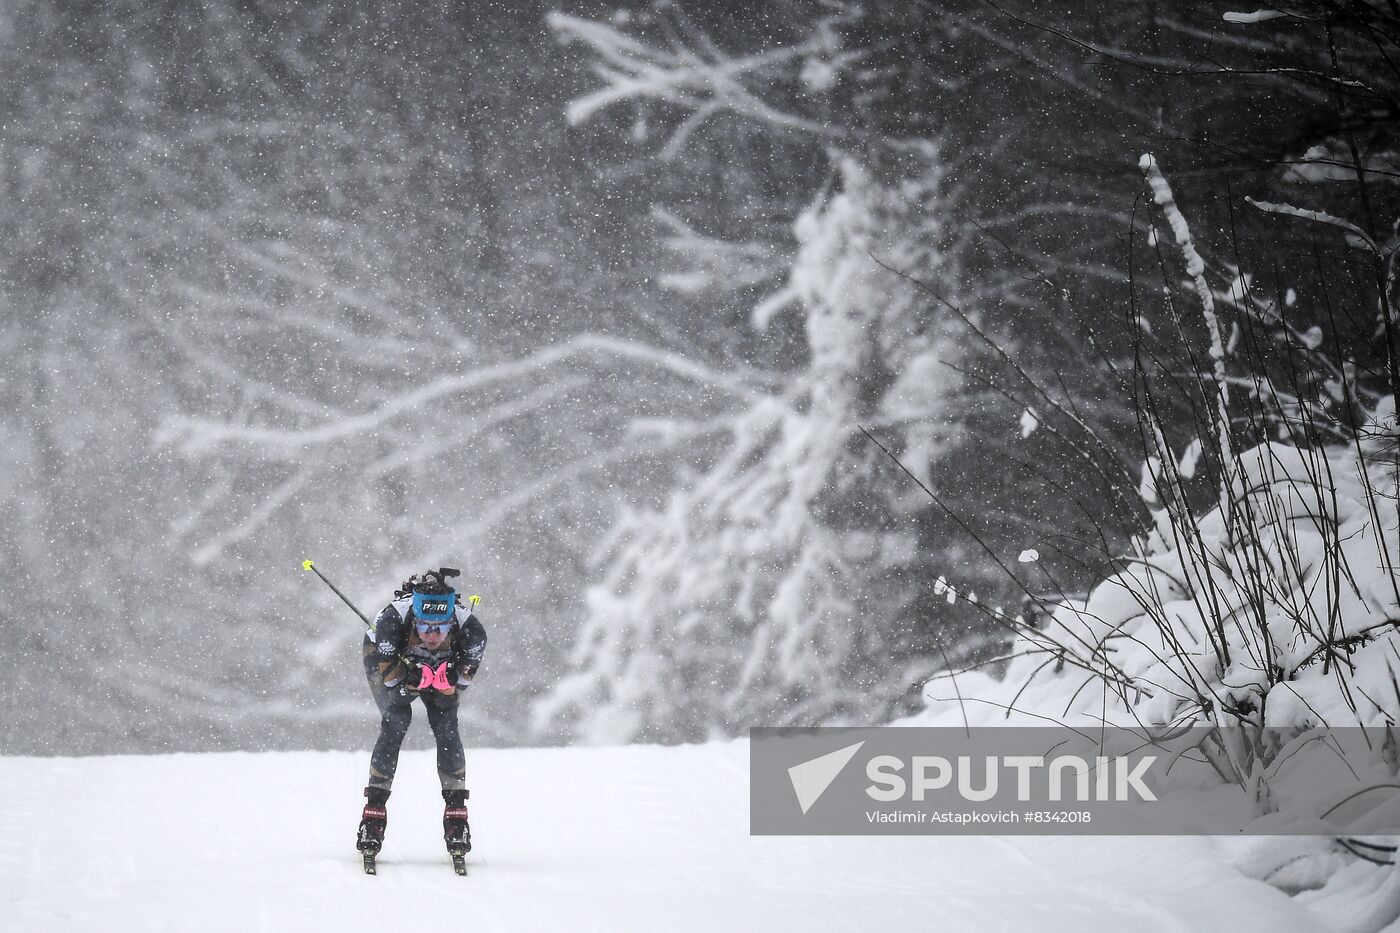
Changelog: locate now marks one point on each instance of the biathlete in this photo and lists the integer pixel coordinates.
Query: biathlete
(425, 646)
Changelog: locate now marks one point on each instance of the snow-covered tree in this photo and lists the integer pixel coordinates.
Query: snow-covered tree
(775, 581)
(759, 591)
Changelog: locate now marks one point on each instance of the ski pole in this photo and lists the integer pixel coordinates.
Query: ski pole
(308, 565)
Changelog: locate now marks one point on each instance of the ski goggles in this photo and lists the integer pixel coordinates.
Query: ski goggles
(434, 628)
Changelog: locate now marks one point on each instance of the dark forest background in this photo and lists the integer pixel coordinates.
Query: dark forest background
(593, 301)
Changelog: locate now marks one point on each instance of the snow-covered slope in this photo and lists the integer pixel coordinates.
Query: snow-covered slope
(618, 839)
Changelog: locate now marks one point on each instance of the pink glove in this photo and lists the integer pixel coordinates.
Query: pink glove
(435, 678)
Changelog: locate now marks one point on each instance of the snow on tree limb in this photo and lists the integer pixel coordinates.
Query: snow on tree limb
(1195, 268)
(495, 416)
(484, 524)
(715, 263)
(1257, 16)
(199, 434)
(696, 77)
(211, 550)
(257, 314)
(1321, 217)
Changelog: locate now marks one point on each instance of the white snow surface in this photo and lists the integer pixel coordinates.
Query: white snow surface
(620, 838)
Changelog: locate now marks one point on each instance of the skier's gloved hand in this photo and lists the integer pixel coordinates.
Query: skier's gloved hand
(434, 678)
(405, 673)
(461, 672)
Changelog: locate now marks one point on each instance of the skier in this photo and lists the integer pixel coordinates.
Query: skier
(423, 645)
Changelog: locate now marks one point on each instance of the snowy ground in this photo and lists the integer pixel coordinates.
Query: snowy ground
(618, 839)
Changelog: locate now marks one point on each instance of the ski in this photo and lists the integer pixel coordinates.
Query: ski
(459, 863)
(370, 868)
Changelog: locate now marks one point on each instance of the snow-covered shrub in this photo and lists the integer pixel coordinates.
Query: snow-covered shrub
(1262, 621)
(1273, 615)
(1274, 608)
(1250, 623)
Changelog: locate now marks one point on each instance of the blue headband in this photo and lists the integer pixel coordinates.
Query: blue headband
(439, 607)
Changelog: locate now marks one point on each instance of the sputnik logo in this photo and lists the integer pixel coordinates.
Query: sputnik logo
(811, 778)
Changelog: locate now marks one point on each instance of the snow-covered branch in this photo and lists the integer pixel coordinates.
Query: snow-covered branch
(209, 551)
(715, 263)
(1321, 217)
(1195, 268)
(201, 434)
(693, 74)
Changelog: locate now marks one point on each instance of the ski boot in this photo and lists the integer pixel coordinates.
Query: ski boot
(373, 822)
(455, 829)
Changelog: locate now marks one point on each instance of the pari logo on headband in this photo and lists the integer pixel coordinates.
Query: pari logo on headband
(437, 607)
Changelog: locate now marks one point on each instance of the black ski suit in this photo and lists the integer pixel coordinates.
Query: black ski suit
(394, 684)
